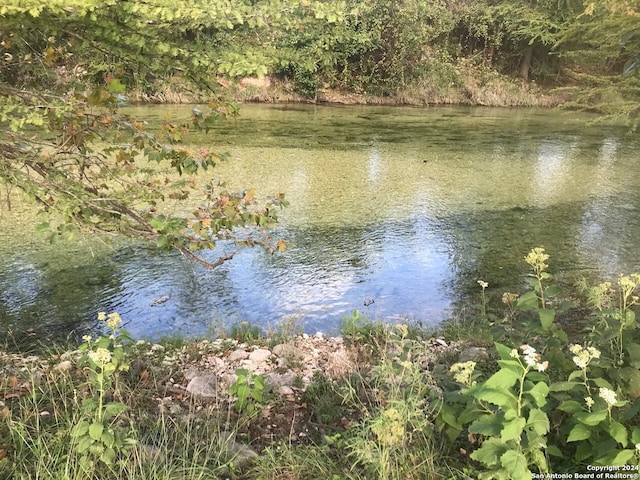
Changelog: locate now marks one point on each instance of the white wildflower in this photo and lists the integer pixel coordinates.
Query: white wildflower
(608, 396)
(100, 355)
(541, 367)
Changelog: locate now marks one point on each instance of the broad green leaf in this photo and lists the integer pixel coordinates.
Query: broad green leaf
(487, 425)
(513, 429)
(554, 451)
(527, 302)
(497, 396)
(562, 386)
(80, 429)
(113, 409)
(592, 419)
(571, 406)
(552, 291)
(504, 352)
(503, 378)
(546, 318)
(84, 443)
(618, 432)
(579, 432)
(539, 393)
(108, 456)
(539, 421)
(515, 463)
(490, 452)
(95, 430)
(622, 457)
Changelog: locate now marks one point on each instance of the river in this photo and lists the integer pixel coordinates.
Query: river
(396, 212)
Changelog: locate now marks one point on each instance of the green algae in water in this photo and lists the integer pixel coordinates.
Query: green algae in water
(407, 207)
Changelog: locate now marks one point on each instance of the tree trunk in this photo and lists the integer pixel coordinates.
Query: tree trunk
(525, 64)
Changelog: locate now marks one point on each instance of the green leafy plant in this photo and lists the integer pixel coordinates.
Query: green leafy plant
(99, 436)
(537, 416)
(249, 390)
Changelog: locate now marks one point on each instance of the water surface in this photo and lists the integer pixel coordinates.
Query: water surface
(396, 212)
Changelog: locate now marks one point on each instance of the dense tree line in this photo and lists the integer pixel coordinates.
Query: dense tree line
(378, 47)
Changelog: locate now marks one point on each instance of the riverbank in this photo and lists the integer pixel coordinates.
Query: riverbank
(378, 401)
(184, 397)
(482, 88)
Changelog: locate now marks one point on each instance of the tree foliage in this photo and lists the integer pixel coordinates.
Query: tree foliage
(92, 165)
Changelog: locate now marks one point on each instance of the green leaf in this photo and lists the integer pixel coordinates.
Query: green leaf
(555, 451)
(579, 432)
(515, 464)
(490, 452)
(80, 429)
(562, 386)
(539, 393)
(108, 456)
(546, 318)
(618, 432)
(497, 396)
(487, 425)
(623, 457)
(108, 438)
(513, 429)
(113, 409)
(552, 291)
(503, 378)
(527, 302)
(592, 419)
(503, 351)
(84, 443)
(95, 430)
(539, 421)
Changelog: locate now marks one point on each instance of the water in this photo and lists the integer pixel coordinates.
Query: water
(396, 212)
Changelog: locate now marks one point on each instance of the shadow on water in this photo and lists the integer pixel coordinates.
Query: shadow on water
(395, 212)
(416, 269)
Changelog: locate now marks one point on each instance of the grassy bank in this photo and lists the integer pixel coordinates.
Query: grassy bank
(504, 393)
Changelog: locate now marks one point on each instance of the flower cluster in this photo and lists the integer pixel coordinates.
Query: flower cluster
(100, 356)
(608, 396)
(509, 298)
(112, 320)
(462, 372)
(589, 401)
(531, 358)
(536, 259)
(483, 284)
(583, 355)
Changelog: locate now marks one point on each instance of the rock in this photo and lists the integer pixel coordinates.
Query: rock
(205, 386)
(288, 351)
(473, 354)
(241, 454)
(63, 366)
(260, 355)
(286, 391)
(237, 355)
(282, 379)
